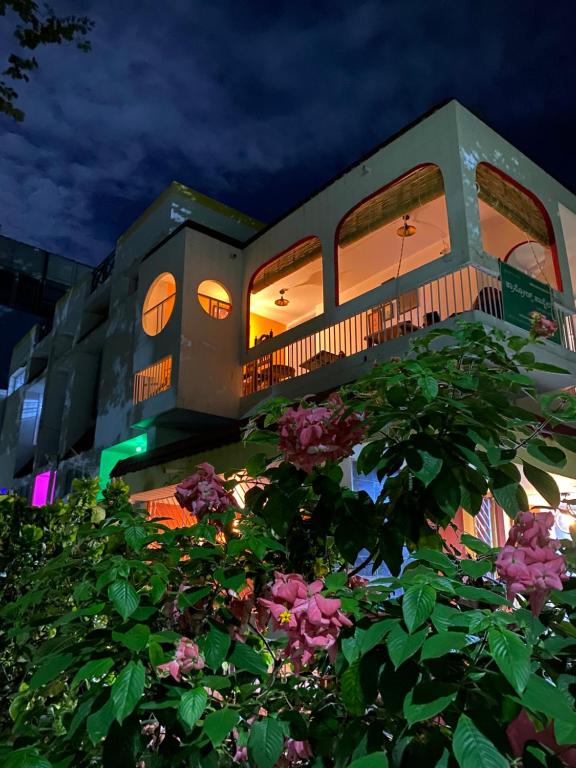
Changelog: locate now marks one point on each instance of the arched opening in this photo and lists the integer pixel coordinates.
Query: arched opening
(515, 226)
(396, 230)
(286, 291)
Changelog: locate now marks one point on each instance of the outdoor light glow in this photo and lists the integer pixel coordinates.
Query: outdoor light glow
(115, 453)
(43, 492)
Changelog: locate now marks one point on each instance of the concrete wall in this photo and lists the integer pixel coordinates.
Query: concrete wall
(207, 353)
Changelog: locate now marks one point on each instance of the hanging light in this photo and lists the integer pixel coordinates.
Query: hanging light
(406, 230)
(282, 301)
(566, 516)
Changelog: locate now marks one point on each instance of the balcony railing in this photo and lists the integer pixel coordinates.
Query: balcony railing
(446, 297)
(153, 380)
(155, 318)
(215, 307)
(102, 272)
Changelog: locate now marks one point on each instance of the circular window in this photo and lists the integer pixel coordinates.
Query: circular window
(159, 303)
(214, 299)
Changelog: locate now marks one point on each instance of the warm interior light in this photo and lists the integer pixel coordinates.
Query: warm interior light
(282, 301)
(406, 230)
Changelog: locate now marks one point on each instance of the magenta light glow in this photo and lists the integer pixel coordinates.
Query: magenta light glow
(43, 492)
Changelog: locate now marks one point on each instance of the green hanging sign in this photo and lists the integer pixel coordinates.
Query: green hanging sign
(522, 295)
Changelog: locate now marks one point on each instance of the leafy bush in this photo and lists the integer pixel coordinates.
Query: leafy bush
(250, 637)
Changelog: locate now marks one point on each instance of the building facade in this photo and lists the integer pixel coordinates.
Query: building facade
(154, 360)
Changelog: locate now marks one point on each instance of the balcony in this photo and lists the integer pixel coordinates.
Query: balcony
(468, 289)
(152, 380)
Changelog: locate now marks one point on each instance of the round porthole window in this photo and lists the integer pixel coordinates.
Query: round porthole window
(159, 304)
(214, 299)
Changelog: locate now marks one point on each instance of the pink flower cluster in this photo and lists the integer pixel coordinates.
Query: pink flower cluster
(310, 620)
(530, 563)
(187, 658)
(309, 436)
(294, 751)
(522, 730)
(541, 326)
(204, 492)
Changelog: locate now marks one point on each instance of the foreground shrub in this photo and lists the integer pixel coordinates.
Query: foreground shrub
(255, 639)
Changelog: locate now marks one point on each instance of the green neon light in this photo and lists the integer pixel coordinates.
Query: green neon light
(115, 453)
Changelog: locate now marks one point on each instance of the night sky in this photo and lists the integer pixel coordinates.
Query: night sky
(257, 103)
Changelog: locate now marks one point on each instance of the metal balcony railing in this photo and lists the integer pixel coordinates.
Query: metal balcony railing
(446, 297)
(155, 318)
(215, 307)
(102, 272)
(153, 380)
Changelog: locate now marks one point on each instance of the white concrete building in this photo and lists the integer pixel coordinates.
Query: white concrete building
(202, 312)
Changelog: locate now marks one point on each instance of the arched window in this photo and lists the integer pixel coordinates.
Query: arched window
(515, 226)
(286, 291)
(399, 228)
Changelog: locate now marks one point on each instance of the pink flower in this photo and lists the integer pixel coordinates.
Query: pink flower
(187, 658)
(310, 620)
(297, 750)
(529, 563)
(542, 326)
(522, 729)
(310, 436)
(204, 493)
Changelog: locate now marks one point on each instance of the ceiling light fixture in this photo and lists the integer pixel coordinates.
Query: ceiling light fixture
(282, 301)
(406, 230)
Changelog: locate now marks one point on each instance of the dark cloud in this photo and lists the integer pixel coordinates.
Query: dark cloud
(256, 103)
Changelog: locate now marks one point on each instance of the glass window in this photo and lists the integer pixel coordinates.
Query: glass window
(16, 380)
(286, 291)
(159, 303)
(214, 299)
(398, 229)
(515, 226)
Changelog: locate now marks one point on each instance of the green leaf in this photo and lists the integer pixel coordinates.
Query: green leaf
(436, 559)
(123, 597)
(480, 595)
(217, 725)
(28, 757)
(93, 670)
(547, 454)
(505, 490)
(565, 731)
(472, 749)
(192, 705)
(245, 657)
(475, 544)
(136, 638)
(80, 714)
(428, 386)
(543, 483)
(159, 586)
(99, 722)
(135, 537)
(444, 760)
(425, 466)
(402, 645)
(188, 599)
(375, 634)
(373, 760)
(416, 712)
(128, 689)
(443, 643)
(512, 657)
(417, 605)
(50, 670)
(475, 568)
(351, 690)
(546, 698)
(216, 648)
(266, 742)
